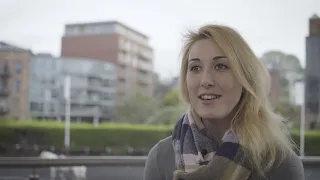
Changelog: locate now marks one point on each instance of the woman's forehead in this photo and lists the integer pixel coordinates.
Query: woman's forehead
(205, 49)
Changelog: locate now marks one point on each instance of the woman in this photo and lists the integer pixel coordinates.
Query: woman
(230, 131)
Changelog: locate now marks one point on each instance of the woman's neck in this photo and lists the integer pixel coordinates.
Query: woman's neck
(216, 128)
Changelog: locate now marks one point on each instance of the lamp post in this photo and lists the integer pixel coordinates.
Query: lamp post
(47, 99)
(67, 82)
(302, 122)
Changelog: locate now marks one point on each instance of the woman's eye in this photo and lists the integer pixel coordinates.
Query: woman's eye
(220, 67)
(195, 68)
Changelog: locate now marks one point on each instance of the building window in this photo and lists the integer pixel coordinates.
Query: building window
(17, 86)
(4, 84)
(18, 68)
(33, 106)
(51, 108)
(15, 106)
(123, 66)
(121, 79)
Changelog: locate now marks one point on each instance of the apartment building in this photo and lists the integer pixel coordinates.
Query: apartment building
(312, 73)
(117, 43)
(4, 90)
(14, 70)
(93, 85)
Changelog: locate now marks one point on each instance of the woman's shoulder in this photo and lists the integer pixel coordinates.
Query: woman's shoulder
(290, 167)
(160, 162)
(165, 145)
(163, 151)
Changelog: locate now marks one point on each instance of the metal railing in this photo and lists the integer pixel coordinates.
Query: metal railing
(310, 160)
(36, 162)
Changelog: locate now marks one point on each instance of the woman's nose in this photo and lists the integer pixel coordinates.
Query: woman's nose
(206, 84)
(207, 80)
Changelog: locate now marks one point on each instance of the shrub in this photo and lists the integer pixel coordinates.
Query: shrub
(107, 135)
(82, 135)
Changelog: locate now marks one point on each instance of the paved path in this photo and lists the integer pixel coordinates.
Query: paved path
(113, 173)
(93, 173)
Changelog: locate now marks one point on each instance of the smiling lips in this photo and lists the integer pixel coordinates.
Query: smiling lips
(208, 98)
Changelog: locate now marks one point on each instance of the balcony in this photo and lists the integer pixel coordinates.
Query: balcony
(4, 108)
(93, 101)
(144, 65)
(84, 111)
(4, 71)
(145, 55)
(4, 92)
(144, 79)
(104, 89)
(4, 111)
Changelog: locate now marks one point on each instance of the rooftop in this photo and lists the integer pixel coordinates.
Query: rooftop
(6, 46)
(315, 16)
(107, 23)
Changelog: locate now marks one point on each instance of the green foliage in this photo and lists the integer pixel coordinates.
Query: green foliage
(171, 99)
(107, 135)
(312, 142)
(285, 62)
(170, 109)
(136, 109)
(290, 71)
(291, 112)
(139, 109)
(167, 115)
(82, 135)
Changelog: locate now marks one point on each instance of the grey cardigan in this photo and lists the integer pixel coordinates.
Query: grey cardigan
(160, 165)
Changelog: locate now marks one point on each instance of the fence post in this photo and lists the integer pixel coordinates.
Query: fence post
(34, 176)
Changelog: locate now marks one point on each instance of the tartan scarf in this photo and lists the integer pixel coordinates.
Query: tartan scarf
(198, 157)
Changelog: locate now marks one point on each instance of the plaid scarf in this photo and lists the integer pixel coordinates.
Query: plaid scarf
(198, 157)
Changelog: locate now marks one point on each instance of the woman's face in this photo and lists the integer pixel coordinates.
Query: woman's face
(213, 91)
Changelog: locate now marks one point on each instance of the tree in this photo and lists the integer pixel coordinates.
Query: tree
(282, 61)
(161, 89)
(136, 109)
(171, 98)
(167, 115)
(290, 71)
(170, 109)
(291, 112)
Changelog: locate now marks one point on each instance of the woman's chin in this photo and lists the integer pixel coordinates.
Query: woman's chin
(211, 117)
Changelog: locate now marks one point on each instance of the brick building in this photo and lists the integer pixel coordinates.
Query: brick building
(14, 70)
(312, 73)
(114, 42)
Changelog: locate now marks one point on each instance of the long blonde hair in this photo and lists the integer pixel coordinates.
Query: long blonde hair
(261, 130)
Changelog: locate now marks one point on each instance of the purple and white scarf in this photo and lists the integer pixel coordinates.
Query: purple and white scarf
(199, 157)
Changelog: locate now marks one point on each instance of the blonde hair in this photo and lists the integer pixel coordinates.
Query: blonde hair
(262, 132)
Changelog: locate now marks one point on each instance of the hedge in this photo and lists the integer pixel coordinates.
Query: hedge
(107, 135)
(312, 142)
(82, 135)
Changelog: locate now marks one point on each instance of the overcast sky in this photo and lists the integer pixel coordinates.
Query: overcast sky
(265, 24)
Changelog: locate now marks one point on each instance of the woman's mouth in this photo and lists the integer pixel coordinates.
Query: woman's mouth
(209, 97)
